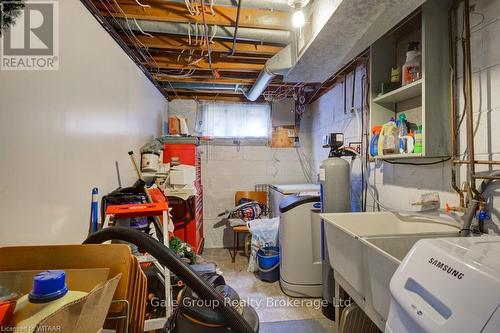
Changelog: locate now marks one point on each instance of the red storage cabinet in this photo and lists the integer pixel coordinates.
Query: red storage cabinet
(185, 152)
(187, 215)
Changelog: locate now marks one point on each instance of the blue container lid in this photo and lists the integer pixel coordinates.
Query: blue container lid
(48, 286)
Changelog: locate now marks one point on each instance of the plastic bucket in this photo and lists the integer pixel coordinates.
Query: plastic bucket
(268, 261)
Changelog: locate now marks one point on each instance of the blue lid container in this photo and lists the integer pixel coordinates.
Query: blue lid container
(48, 286)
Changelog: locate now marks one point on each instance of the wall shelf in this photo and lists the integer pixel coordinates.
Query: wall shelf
(401, 94)
(397, 156)
(425, 102)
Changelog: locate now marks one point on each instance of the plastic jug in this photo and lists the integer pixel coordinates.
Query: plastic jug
(406, 144)
(374, 141)
(48, 295)
(411, 68)
(388, 141)
(419, 136)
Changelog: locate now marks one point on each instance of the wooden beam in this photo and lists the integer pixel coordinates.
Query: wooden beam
(165, 42)
(163, 62)
(160, 10)
(221, 80)
(212, 97)
(216, 97)
(170, 91)
(244, 58)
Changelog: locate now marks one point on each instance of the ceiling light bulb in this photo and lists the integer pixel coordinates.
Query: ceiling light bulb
(298, 18)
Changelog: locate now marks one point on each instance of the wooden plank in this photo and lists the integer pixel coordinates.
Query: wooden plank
(209, 97)
(210, 79)
(170, 91)
(166, 42)
(171, 63)
(177, 12)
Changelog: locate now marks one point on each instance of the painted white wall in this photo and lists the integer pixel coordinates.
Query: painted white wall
(227, 169)
(62, 131)
(400, 185)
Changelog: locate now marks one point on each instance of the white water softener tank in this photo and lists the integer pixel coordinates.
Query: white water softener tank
(335, 181)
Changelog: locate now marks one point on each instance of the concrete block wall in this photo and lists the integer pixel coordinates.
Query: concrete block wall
(400, 185)
(227, 169)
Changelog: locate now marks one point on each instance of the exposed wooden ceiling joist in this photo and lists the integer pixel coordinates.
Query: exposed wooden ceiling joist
(202, 91)
(221, 80)
(175, 12)
(164, 62)
(161, 42)
(210, 97)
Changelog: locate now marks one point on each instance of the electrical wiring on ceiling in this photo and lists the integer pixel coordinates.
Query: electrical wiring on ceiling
(142, 49)
(142, 31)
(142, 5)
(190, 7)
(212, 3)
(282, 92)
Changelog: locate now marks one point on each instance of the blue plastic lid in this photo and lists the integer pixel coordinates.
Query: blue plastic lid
(48, 286)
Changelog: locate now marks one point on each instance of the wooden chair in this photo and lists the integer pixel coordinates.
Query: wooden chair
(259, 197)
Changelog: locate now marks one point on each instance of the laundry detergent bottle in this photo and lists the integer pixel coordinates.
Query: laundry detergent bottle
(411, 68)
(374, 141)
(388, 141)
(48, 295)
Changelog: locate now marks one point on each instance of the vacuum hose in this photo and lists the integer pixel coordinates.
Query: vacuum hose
(168, 258)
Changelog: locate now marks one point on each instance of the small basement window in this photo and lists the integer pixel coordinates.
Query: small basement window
(233, 120)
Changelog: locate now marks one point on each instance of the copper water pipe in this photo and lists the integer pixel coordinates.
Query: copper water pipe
(477, 162)
(468, 104)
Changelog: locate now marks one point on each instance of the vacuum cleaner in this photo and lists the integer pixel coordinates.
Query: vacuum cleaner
(205, 305)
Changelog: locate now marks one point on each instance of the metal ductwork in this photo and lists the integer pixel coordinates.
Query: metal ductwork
(281, 5)
(279, 64)
(244, 34)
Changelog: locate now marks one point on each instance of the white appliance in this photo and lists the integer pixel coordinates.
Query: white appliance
(279, 191)
(447, 285)
(300, 246)
(182, 175)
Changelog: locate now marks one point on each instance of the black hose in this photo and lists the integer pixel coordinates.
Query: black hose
(168, 258)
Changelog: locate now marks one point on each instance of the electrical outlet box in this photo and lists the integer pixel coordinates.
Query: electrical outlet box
(356, 146)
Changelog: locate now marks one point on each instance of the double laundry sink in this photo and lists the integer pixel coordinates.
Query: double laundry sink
(365, 249)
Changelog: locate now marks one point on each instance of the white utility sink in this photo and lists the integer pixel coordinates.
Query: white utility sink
(365, 250)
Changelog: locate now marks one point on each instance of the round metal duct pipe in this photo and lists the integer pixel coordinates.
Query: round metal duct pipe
(279, 64)
(244, 34)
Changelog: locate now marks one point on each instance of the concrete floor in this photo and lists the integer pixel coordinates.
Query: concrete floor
(275, 312)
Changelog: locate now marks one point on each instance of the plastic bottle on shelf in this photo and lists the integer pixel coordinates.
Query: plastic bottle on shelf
(402, 132)
(411, 68)
(48, 295)
(388, 141)
(419, 138)
(406, 144)
(374, 141)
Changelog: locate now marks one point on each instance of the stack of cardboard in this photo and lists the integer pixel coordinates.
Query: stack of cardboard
(114, 258)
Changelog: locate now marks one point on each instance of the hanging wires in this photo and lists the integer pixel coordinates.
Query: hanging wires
(212, 3)
(190, 7)
(141, 49)
(142, 31)
(142, 5)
